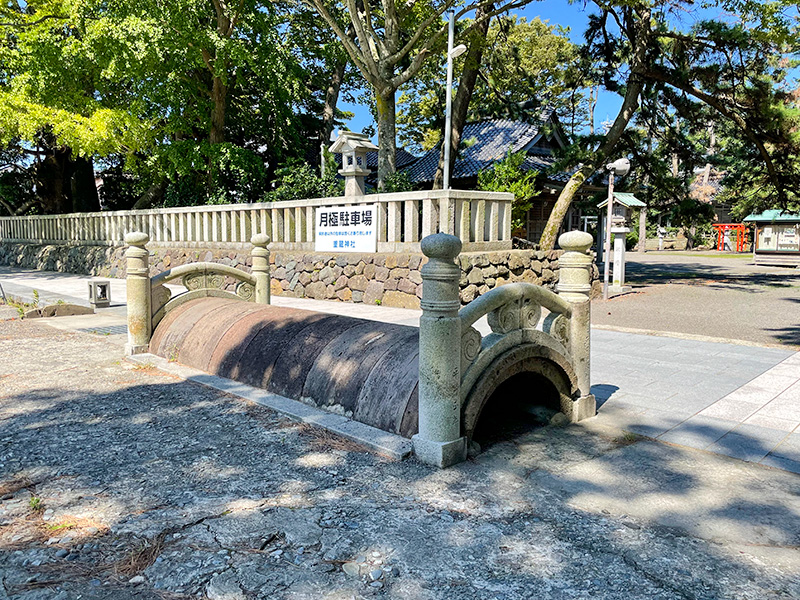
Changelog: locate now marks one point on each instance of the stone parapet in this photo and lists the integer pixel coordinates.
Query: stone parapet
(391, 279)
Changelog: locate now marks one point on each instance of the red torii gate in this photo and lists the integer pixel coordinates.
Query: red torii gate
(737, 228)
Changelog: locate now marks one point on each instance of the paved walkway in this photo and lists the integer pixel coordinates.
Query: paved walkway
(717, 296)
(735, 400)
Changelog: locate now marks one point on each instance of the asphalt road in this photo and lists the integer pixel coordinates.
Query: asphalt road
(723, 296)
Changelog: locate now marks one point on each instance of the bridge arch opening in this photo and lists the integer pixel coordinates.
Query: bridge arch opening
(523, 388)
(520, 404)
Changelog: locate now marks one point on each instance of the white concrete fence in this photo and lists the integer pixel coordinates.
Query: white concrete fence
(482, 220)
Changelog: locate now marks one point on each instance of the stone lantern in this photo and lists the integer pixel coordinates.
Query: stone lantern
(353, 147)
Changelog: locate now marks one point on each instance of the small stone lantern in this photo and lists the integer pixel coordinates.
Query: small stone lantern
(100, 293)
(353, 147)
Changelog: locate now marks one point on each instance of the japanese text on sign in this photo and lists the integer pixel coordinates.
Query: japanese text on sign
(346, 229)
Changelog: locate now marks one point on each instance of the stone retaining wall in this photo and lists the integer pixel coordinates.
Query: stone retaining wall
(391, 279)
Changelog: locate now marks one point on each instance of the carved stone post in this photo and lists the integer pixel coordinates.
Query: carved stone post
(260, 254)
(575, 286)
(138, 291)
(439, 441)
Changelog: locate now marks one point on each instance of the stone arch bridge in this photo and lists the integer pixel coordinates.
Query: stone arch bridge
(430, 384)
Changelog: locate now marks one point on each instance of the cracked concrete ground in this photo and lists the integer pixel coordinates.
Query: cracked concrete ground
(119, 482)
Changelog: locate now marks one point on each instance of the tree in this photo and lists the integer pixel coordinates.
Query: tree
(393, 41)
(634, 22)
(513, 68)
(56, 106)
(197, 99)
(734, 70)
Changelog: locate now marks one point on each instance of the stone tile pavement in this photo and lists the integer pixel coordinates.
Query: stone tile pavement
(736, 400)
(740, 401)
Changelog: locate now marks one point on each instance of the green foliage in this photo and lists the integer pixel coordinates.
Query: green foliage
(530, 61)
(508, 176)
(17, 187)
(398, 182)
(297, 181)
(140, 83)
(35, 503)
(691, 214)
(631, 239)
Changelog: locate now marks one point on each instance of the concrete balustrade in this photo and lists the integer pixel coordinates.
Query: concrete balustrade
(481, 220)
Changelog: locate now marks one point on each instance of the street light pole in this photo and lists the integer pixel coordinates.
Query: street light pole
(448, 111)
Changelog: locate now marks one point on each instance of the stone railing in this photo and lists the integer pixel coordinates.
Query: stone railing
(149, 300)
(458, 366)
(481, 220)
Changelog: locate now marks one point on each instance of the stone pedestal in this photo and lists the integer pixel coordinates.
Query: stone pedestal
(139, 302)
(575, 286)
(260, 270)
(618, 281)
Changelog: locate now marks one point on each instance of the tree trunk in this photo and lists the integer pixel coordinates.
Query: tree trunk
(83, 186)
(152, 195)
(52, 182)
(630, 104)
(466, 86)
(690, 233)
(387, 141)
(219, 95)
(642, 230)
(643, 212)
(332, 99)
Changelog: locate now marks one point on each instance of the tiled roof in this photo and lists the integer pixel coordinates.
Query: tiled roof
(626, 199)
(483, 144)
(773, 216)
(706, 193)
(402, 158)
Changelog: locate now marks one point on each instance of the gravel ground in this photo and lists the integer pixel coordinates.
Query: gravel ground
(118, 482)
(717, 296)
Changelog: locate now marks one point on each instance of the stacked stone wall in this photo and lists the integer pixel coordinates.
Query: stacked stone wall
(390, 279)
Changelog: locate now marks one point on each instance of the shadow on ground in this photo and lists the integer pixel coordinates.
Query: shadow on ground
(136, 475)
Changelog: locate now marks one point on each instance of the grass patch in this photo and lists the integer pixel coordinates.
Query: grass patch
(146, 367)
(627, 438)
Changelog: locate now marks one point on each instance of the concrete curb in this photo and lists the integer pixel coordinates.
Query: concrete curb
(382, 442)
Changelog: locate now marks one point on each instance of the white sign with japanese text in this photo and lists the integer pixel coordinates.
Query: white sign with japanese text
(346, 229)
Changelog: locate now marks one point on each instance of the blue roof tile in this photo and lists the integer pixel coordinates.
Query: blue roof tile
(485, 143)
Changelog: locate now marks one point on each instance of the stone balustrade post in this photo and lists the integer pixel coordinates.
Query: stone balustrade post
(439, 441)
(138, 292)
(260, 269)
(575, 286)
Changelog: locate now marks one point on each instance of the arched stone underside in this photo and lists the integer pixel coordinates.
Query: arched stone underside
(526, 358)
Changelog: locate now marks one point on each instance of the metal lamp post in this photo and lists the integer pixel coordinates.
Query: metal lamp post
(618, 167)
(452, 53)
